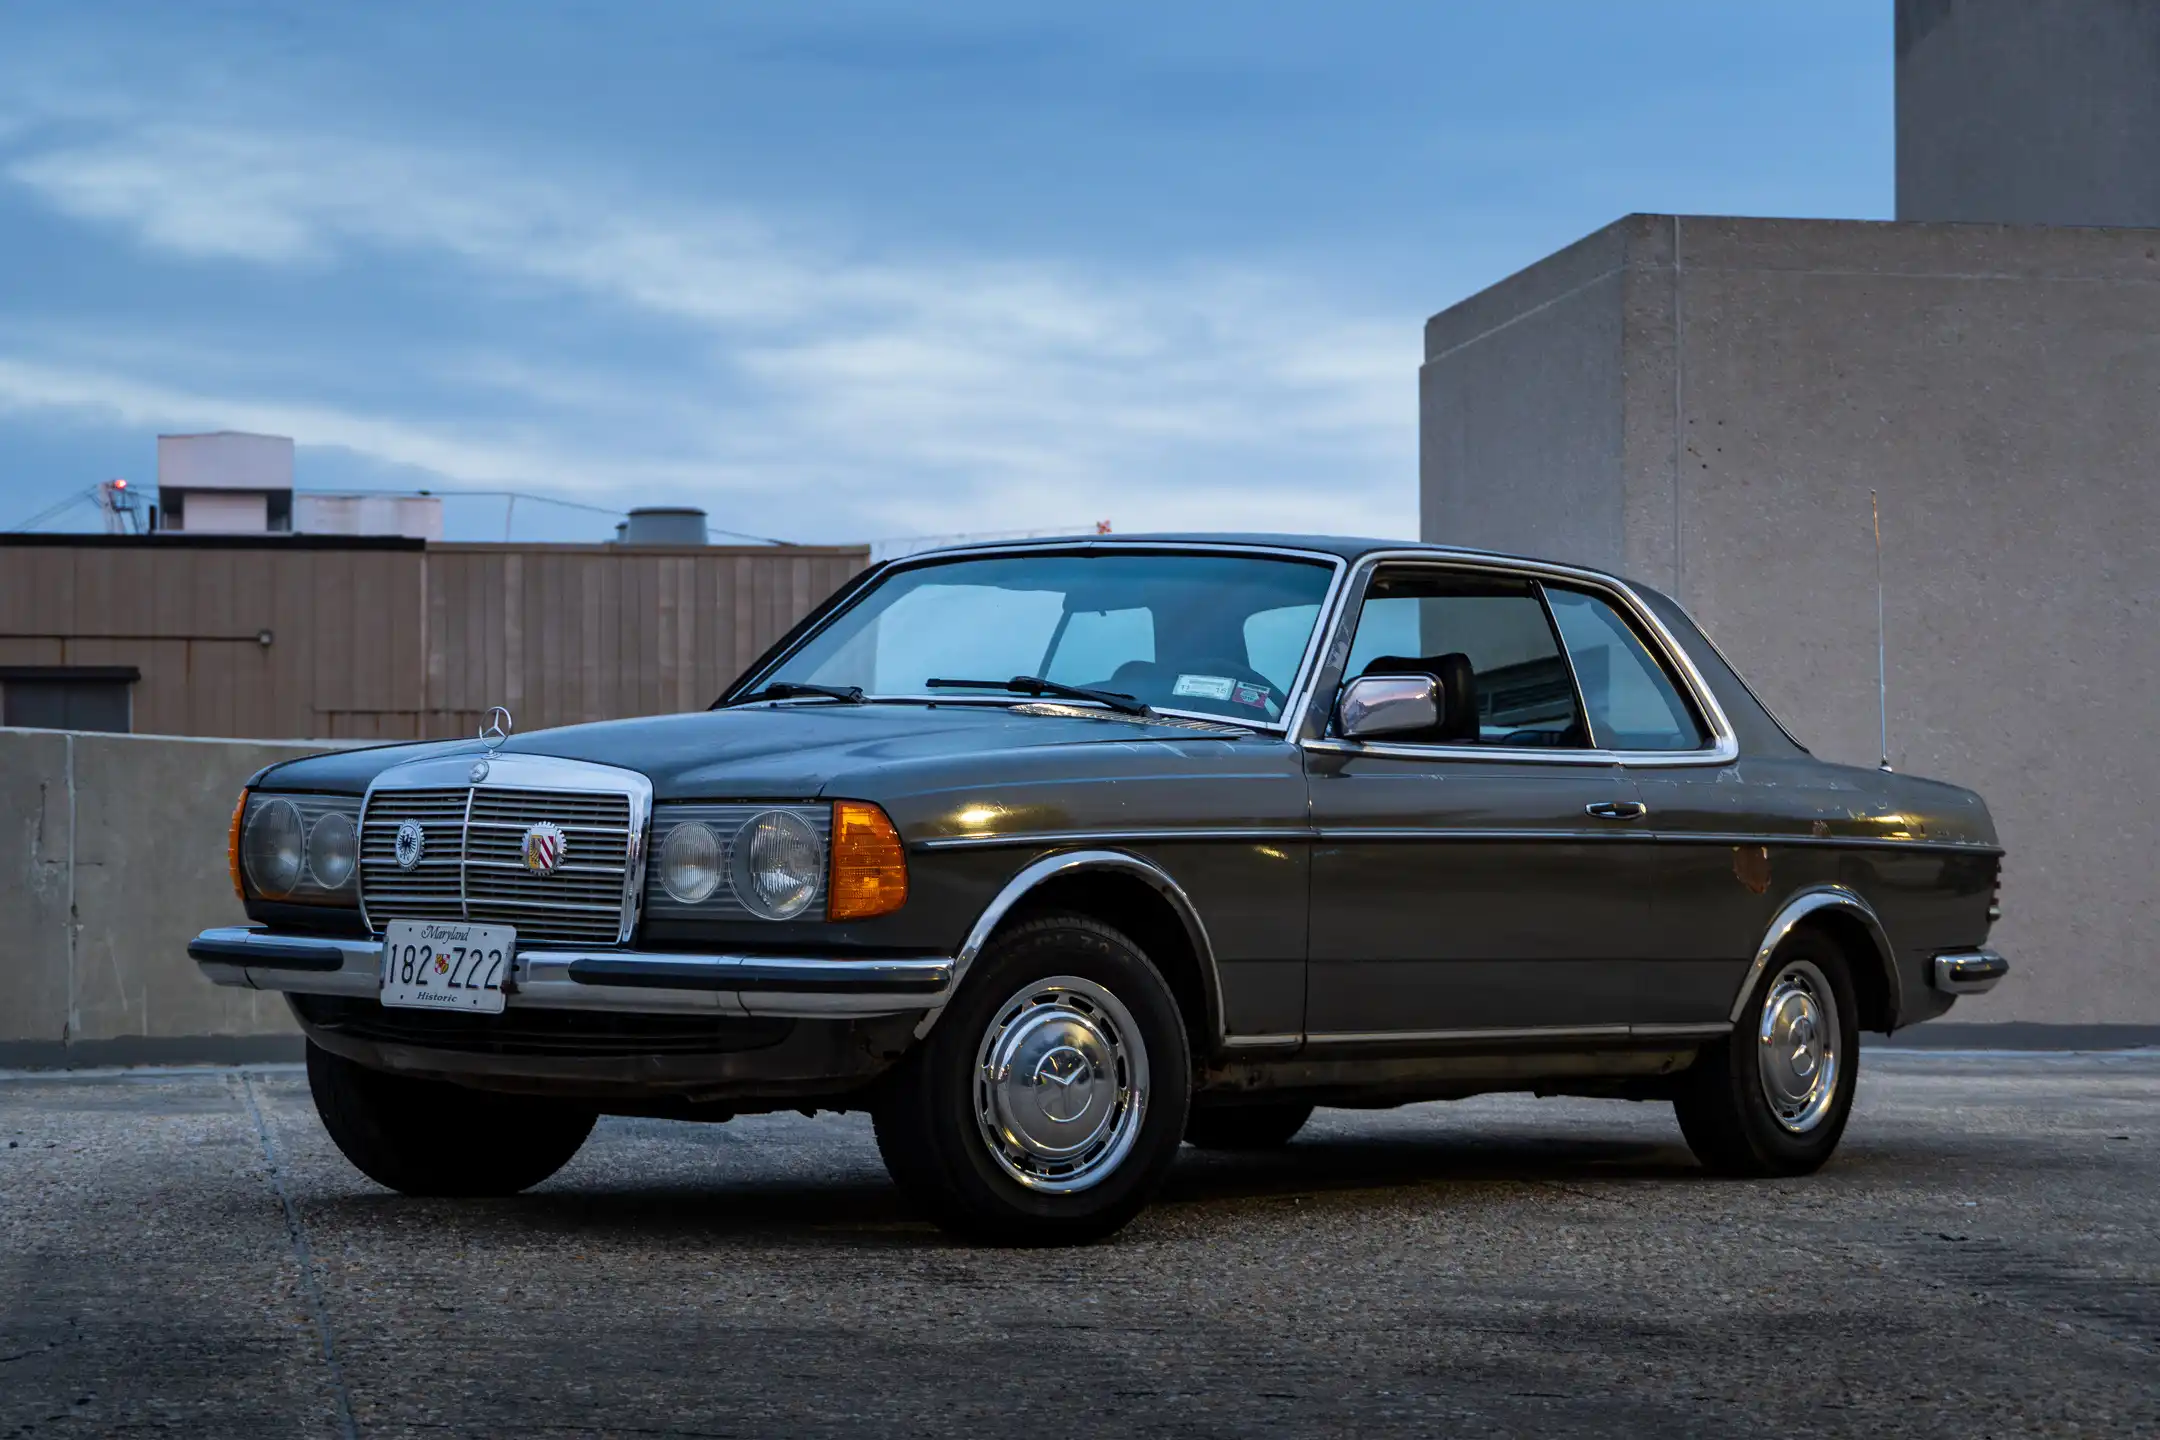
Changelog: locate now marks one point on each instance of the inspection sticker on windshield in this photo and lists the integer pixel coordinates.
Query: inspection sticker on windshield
(1204, 687)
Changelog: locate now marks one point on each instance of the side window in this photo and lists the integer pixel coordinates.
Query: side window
(1489, 645)
(1633, 703)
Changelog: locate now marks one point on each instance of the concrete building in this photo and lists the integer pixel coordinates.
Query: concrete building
(2032, 112)
(1706, 403)
(297, 636)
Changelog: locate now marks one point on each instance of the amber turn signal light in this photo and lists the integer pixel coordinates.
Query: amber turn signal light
(232, 846)
(869, 865)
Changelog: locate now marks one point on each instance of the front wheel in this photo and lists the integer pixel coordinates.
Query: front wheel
(1047, 1104)
(429, 1137)
(1772, 1099)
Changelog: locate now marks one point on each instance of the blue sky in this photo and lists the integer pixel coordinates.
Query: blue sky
(848, 271)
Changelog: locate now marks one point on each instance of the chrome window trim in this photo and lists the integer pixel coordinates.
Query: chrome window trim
(1723, 749)
(1734, 670)
(1295, 697)
(1066, 862)
(519, 771)
(1797, 908)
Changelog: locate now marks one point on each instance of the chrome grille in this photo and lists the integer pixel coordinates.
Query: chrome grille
(431, 890)
(473, 866)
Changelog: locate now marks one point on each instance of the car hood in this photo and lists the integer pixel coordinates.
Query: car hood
(754, 752)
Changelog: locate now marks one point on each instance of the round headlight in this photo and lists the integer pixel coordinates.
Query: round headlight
(332, 850)
(273, 848)
(690, 863)
(777, 864)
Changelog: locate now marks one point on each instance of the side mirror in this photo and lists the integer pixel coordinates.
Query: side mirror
(1387, 705)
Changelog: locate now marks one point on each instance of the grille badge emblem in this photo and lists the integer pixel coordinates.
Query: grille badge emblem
(479, 772)
(411, 844)
(545, 848)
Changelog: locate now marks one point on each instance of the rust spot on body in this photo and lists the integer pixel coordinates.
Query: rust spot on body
(1751, 867)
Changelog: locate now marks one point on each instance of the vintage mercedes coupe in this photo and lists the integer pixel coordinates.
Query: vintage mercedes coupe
(1051, 856)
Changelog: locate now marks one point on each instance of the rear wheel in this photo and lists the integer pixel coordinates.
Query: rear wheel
(1246, 1127)
(1047, 1104)
(1772, 1099)
(429, 1137)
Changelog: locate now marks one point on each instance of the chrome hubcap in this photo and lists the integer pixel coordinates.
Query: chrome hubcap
(1061, 1085)
(1798, 1054)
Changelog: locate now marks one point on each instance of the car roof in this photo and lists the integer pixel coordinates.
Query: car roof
(1348, 547)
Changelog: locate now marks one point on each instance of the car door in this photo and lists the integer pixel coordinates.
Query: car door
(1484, 876)
(1710, 881)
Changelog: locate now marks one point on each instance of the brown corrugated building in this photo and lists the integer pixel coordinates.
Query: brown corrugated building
(335, 637)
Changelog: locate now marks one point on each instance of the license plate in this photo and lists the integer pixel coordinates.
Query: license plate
(447, 965)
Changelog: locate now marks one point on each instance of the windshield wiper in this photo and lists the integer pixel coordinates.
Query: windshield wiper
(790, 689)
(1036, 685)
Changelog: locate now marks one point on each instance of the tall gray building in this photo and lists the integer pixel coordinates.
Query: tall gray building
(1706, 403)
(2031, 112)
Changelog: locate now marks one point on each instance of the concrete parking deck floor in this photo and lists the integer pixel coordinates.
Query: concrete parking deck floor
(185, 1250)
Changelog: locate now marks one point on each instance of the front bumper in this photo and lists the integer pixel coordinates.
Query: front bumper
(635, 982)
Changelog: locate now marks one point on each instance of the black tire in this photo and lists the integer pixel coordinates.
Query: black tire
(1724, 1103)
(429, 1137)
(1245, 1127)
(943, 1157)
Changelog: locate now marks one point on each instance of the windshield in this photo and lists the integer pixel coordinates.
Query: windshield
(1219, 635)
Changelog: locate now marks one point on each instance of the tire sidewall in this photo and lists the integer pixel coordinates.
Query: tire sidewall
(975, 1182)
(429, 1137)
(1781, 1148)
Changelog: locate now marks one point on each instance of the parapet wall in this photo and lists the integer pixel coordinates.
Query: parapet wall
(112, 856)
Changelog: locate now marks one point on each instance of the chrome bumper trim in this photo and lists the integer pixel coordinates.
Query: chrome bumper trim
(1969, 972)
(643, 982)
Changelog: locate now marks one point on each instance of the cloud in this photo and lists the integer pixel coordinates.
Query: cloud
(935, 392)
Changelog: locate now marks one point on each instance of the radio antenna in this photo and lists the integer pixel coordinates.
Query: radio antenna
(1882, 645)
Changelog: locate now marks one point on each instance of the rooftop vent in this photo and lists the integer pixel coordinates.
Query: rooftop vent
(662, 525)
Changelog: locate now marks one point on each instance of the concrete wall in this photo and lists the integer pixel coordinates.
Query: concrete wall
(112, 856)
(2034, 112)
(2000, 386)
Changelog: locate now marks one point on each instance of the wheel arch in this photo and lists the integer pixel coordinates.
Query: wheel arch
(1130, 892)
(1845, 915)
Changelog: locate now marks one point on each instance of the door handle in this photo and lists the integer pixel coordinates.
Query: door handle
(1617, 809)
